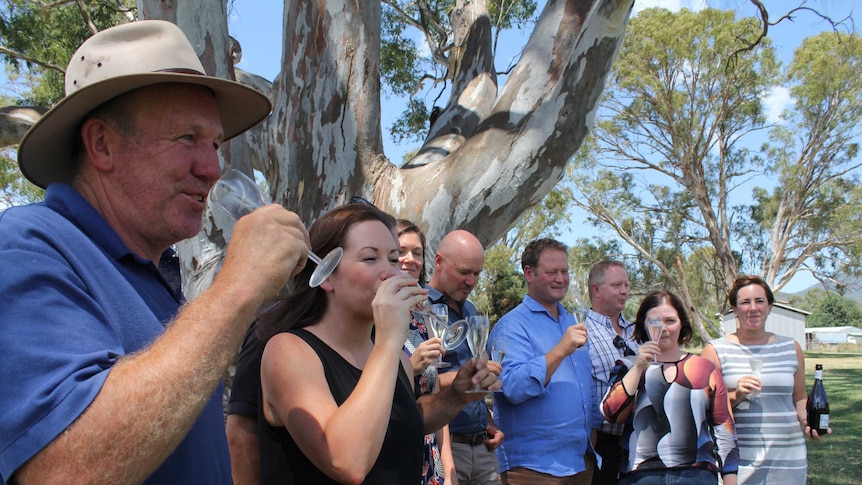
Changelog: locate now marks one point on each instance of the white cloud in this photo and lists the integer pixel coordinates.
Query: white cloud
(422, 45)
(775, 101)
(672, 5)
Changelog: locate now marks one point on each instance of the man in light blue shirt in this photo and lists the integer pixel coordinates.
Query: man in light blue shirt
(548, 405)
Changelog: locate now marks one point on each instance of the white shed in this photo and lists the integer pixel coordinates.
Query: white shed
(834, 335)
(784, 320)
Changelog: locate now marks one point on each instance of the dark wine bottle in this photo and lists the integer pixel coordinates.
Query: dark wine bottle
(818, 404)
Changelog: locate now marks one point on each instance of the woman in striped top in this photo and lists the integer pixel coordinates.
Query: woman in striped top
(769, 410)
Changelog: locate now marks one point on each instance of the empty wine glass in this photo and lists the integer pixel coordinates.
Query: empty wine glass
(236, 195)
(477, 337)
(655, 326)
(453, 333)
(756, 364)
(437, 328)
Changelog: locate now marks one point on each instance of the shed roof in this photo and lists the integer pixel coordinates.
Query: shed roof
(848, 329)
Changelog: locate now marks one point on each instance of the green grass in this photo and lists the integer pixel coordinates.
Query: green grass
(837, 460)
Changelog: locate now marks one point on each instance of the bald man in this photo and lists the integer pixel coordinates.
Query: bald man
(474, 436)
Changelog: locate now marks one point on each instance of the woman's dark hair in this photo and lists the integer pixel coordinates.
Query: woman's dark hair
(406, 227)
(658, 298)
(305, 305)
(744, 281)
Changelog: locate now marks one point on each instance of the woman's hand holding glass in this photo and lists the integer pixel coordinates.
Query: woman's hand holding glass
(647, 354)
(391, 306)
(747, 386)
(427, 354)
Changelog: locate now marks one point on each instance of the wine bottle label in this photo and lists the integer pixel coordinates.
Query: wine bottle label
(824, 421)
(818, 374)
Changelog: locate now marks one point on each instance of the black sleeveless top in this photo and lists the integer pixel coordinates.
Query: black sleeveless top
(400, 459)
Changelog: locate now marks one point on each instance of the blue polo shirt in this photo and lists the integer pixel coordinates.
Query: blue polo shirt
(547, 426)
(75, 300)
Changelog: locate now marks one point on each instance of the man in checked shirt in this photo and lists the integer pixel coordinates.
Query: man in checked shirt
(610, 337)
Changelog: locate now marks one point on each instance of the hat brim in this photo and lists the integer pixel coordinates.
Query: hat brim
(45, 153)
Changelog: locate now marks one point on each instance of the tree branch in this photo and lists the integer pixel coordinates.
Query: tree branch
(85, 14)
(763, 16)
(31, 60)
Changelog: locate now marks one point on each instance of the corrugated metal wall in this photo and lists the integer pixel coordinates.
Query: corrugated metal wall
(783, 320)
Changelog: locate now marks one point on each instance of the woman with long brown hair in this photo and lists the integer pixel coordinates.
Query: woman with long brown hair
(337, 401)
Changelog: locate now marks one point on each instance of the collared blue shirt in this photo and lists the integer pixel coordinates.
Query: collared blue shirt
(473, 418)
(76, 299)
(547, 426)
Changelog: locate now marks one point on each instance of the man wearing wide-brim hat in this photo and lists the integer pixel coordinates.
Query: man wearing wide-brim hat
(104, 379)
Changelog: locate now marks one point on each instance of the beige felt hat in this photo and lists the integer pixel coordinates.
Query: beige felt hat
(116, 61)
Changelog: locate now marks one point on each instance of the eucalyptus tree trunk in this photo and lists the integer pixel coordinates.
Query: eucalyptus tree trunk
(490, 155)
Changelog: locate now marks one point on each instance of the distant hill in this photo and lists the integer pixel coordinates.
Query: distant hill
(853, 291)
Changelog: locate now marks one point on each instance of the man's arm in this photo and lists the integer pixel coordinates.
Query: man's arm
(574, 338)
(439, 408)
(242, 439)
(150, 399)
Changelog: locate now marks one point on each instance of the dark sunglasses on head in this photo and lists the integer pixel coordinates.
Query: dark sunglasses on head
(621, 344)
(360, 200)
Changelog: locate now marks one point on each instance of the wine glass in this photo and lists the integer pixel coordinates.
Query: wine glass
(756, 364)
(437, 328)
(477, 337)
(580, 313)
(498, 350)
(236, 195)
(655, 327)
(453, 334)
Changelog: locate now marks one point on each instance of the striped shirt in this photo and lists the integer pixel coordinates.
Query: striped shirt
(771, 443)
(603, 355)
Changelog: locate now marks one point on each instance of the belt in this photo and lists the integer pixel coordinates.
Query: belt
(601, 435)
(474, 439)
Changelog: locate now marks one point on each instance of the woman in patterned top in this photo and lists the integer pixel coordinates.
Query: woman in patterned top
(678, 421)
(771, 450)
(438, 463)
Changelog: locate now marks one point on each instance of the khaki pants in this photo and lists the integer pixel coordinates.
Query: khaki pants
(475, 465)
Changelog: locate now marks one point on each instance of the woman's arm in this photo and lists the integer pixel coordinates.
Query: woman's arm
(343, 441)
(618, 403)
(711, 355)
(446, 458)
(722, 424)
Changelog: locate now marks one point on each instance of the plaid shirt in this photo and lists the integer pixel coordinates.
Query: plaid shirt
(603, 355)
